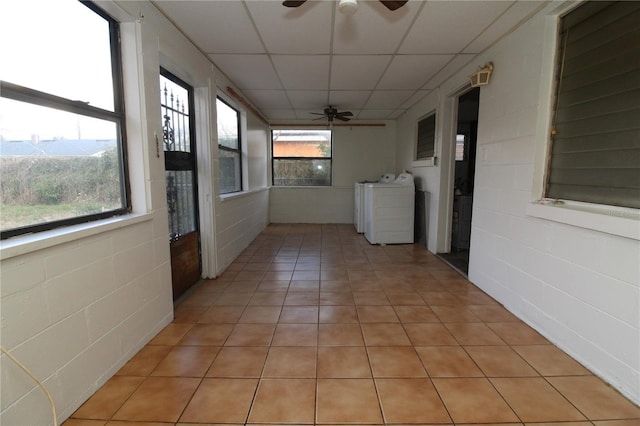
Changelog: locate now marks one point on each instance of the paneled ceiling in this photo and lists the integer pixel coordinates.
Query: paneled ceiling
(376, 63)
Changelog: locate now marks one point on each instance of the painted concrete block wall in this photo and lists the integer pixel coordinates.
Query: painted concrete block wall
(76, 304)
(578, 287)
(359, 153)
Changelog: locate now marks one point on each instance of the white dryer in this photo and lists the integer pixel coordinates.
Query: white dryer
(358, 206)
(389, 211)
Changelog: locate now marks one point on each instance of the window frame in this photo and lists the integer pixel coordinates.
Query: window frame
(429, 160)
(274, 158)
(117, 116)
(237, 151)
(557, 74)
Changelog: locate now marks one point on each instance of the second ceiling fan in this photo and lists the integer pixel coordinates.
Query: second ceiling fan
(389, 4)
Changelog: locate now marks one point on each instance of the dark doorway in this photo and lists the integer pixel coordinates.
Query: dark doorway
(465, 168)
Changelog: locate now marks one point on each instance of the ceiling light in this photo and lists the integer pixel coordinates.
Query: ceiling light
(348, 7)
(482, 75)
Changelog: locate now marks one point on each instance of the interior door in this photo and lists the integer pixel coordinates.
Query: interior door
(181, 181)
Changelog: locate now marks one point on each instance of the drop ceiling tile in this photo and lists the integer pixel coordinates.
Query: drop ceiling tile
(412, 71)
(279, 114)
(416, 97)
(388, 99)
(357, 72)
(395, 114)
(248, 71)
(348, 99)
(308, 99)
(510, 19)
(449, 26)
(375, 114)
(306, 29)
(208, 24)
(268, 99)
(303, 72)
(373, 28)
(450, 69)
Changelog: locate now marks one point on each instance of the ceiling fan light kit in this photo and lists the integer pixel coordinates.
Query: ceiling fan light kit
(348, 7)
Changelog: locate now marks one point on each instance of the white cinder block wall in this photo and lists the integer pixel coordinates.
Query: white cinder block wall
(75, 306)
(359, 153)
(578, 287)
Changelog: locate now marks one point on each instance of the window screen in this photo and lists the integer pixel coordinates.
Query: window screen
(426, 137)
(595, 152)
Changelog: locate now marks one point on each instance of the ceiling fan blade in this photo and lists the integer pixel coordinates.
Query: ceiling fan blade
(342, 118)
(393, 4)
(345, 114)
(293, 3)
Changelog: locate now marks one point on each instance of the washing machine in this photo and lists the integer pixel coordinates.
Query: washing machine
(389, 211)
(358, 206)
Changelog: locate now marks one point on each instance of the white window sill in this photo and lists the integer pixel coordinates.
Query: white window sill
(427, 162)
(624, 222)
(29, 243)
(240, 194)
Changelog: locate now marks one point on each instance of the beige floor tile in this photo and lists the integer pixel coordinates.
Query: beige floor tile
(158, 399)
(343, 362)
(284, 401)
(535, 400)
(109, 398)
(336, 298)
(551, 361)
(188, 314)
(370, 298)
(187, 361)
(595, 398)
(491, 313)
(448, 361)
(340, 335)
(302, 299)
(471, 400)
(233, 299)
(398, 361)
(440, 298)
(84, 422)
(290, 362)
(405, 298)
(411, 401)
(221, 401)
(500, 361)
(240, 362)
(347, 401)
(385, 335)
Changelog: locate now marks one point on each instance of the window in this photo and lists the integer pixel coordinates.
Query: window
(595, 148)
(301, 157)
(229, 149)
(62, 136)
(426, 137)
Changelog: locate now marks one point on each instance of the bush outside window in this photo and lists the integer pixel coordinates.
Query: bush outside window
(301, 157)
(62, 136)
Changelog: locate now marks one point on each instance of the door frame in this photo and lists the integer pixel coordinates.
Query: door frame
(448, 168)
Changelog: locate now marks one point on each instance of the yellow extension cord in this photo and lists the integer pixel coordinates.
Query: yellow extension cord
(42, 386)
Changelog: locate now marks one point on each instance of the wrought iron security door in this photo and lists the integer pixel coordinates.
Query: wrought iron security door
(181, 183)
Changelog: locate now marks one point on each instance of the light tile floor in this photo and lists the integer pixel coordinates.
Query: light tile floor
(312, 325)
